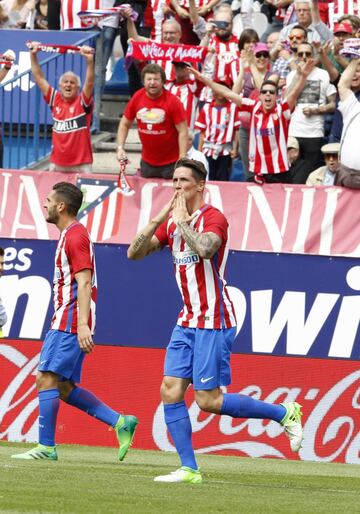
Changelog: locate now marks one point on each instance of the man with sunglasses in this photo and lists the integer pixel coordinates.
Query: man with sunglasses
(308, 16)
(223, 47)
(285, 51)
(269, 122)
(315, 101)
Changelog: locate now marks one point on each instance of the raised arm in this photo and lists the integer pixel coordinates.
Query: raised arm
(10, 55)
(88, 53)
(344, 86)
(218, 88)
(145, 242)
(182, 129)
(37, 72)
(131, 27)
(297, 84)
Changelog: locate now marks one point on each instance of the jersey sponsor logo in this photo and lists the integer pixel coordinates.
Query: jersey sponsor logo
(70, 125)
(151, 116)
(184, 258)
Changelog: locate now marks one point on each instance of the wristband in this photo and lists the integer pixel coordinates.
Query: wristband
(120, 147)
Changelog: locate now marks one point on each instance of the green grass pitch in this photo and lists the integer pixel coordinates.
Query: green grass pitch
(91, 480)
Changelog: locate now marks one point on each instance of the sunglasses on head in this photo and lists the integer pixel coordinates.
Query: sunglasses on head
(304, 54)
(271, 91)
(263, 54)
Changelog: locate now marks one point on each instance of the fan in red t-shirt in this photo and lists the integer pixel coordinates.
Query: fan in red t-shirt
(71, 110)
(161, 124)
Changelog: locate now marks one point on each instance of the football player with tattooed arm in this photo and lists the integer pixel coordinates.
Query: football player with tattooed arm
(200, 345)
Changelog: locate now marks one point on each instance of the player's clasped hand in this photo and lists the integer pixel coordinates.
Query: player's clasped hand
(180, 213)
(85, 340)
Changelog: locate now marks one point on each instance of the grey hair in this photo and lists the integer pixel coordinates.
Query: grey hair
(174, 22)
(78, 79)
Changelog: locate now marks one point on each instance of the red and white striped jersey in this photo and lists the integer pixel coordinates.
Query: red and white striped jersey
(201, 281)
(198, 3)
(158, 18)
(74, 253)
(268, 137)
(219, 123)
(69, 9)
(341, 7)
(188, 93)
(227, 63)
(168, 67)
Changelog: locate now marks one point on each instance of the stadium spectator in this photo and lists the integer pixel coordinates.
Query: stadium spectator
(269, 123)
(161, 123)
(222, 61)
(41, 15)
(53, 16)
(182, 8)
(257, 68)
(71, 110)
(218, 123)
(349, 106)
(10, 55)
(337, 124)
(285, 53)
(325, 175)
(194, 154)
(272, 40)
(298, 169)
(15, 13)
(308, 16)
(308, 120)
(186, 89)
(200, 345)
(70, 337)
(171, 34)
(3, 316)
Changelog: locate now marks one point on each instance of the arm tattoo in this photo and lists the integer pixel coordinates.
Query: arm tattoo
(139, 242)
(205, 244)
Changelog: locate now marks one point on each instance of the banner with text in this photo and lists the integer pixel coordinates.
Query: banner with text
(271, 218)
(328, 390)
(285, 304)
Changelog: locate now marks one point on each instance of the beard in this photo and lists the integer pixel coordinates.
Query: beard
(224, 36)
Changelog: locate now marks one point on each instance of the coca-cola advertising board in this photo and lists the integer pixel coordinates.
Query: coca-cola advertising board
(329, 391)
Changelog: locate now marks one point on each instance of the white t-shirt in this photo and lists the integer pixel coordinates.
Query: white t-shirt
(196, 155)
(350, 148)
(314, 94)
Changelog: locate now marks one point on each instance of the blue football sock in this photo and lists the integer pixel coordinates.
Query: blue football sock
(49, 402)
(241, 406)
(87, 402)
(179, 425)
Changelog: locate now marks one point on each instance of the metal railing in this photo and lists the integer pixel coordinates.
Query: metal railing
(26, 118)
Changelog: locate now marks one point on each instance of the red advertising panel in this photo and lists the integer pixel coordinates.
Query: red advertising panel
(129, 378)
(272, 218)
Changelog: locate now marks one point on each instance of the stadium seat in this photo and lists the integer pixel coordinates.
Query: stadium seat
(118, 84)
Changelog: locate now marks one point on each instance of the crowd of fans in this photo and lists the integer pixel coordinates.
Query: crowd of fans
(239, 103)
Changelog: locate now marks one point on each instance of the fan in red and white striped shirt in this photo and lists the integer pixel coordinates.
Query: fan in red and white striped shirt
(187, 90)
(70, 8)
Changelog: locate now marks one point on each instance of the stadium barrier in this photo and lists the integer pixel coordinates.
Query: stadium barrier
(26, 119)
(297, 304)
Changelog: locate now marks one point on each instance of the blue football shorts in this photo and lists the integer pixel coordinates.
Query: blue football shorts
(201, 355)
(62, 355)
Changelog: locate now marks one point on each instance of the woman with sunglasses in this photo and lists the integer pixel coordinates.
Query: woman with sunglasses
(257, 68)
